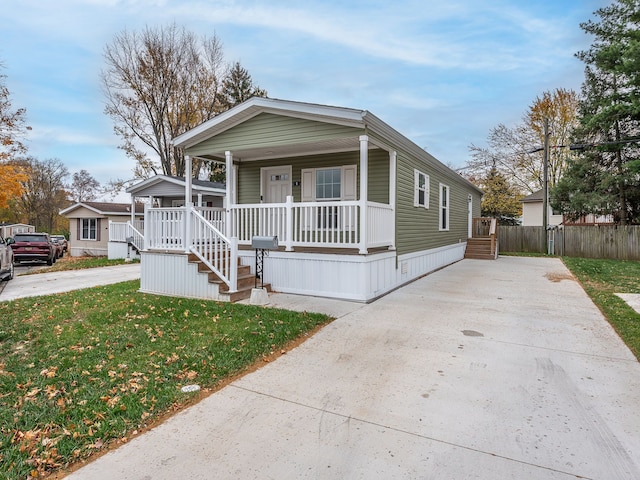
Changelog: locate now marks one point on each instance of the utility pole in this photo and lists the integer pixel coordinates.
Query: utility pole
(545, 186)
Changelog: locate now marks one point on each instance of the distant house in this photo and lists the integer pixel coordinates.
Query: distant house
(532, 208)
(8, 229)
(168, 191)
(89, 225)
(532, 214)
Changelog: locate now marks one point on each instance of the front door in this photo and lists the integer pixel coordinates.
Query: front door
(276, 184)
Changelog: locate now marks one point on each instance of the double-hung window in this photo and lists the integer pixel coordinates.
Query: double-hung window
(421, 189)
(331, 184)
(444, 207)
(89, 229)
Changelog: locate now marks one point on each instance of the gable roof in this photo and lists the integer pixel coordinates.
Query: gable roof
(349, 117)
(105, 208)
(199, 186)
(534, 197)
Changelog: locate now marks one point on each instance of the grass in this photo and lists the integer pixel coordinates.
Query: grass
(601, 279)
(84, 370)
(78, 263)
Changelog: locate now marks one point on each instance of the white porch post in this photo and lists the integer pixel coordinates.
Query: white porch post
(230, 191)
(200, 200)
(393, 157)
(288, 241)
(188, 192)
(133, 209)
(147, 228)
(364, 174)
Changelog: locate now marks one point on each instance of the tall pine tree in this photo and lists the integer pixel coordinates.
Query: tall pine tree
(605, 178)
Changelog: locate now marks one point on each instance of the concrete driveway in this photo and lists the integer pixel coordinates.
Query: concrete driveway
(483, 370)
(56, 282)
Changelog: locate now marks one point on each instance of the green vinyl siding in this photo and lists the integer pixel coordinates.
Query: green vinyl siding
(249, 173)
(417, 228)
(268, 130)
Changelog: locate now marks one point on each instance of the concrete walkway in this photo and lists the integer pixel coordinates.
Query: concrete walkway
(23, 286)
(483, 370)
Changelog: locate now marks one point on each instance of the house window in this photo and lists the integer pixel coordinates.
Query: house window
(328, 182)
(88, 229)
(421, 189)
(444, 207)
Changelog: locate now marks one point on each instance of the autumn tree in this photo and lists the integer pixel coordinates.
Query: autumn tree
(83, 187)
(43, 192)
(512, 150)
(12, 131)
(605, 177)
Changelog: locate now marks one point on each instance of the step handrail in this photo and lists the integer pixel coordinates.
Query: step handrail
(215, 250)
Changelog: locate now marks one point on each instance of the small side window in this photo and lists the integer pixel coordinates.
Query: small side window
(421, 189)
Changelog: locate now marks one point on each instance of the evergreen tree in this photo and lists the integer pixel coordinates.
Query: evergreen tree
(238, 86)
(605, 178)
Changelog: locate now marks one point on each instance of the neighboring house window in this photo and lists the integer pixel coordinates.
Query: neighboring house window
(444, 207)
(421, 189)
(89, 229)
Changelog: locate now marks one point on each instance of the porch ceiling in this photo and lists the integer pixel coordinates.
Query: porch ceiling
(293, 150)
(290, 150)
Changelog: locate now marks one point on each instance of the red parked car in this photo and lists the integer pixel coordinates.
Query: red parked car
(28, 247)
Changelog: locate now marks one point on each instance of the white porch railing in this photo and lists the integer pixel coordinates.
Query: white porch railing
(303, 224)
(166, 230)
(216, 251)
(126, 231)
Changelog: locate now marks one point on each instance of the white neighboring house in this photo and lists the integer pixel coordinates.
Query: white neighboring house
(89, 230)
(532, 208)
(10, 229)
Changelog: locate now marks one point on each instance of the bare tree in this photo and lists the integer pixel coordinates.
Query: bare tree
(512, 150)
(83, 187)
(160, 83)
(43, 193)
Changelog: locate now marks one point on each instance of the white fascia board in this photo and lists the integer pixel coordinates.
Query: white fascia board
(78, 205)
(257, 105)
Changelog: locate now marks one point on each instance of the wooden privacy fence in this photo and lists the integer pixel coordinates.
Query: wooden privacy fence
(598, 241)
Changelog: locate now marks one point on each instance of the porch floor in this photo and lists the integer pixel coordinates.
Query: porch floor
(325, 250)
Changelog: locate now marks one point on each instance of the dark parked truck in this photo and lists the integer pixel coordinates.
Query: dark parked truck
(30, 247)
(6, 260)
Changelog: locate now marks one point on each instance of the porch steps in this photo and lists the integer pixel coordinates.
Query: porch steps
(246, 281)
(479, 248)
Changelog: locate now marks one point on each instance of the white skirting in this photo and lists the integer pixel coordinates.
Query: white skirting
(172, 274)
(121, 250)
(88, 252)
(361, 278)
(350, 277)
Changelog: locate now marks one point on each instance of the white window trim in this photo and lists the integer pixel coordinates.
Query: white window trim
(417, 189)
(444, 209)
(87, 239)
(312, 180)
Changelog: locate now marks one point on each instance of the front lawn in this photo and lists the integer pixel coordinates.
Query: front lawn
(601, 279)
(87, 369)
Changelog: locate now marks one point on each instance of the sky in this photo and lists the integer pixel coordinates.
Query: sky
(443, 73)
